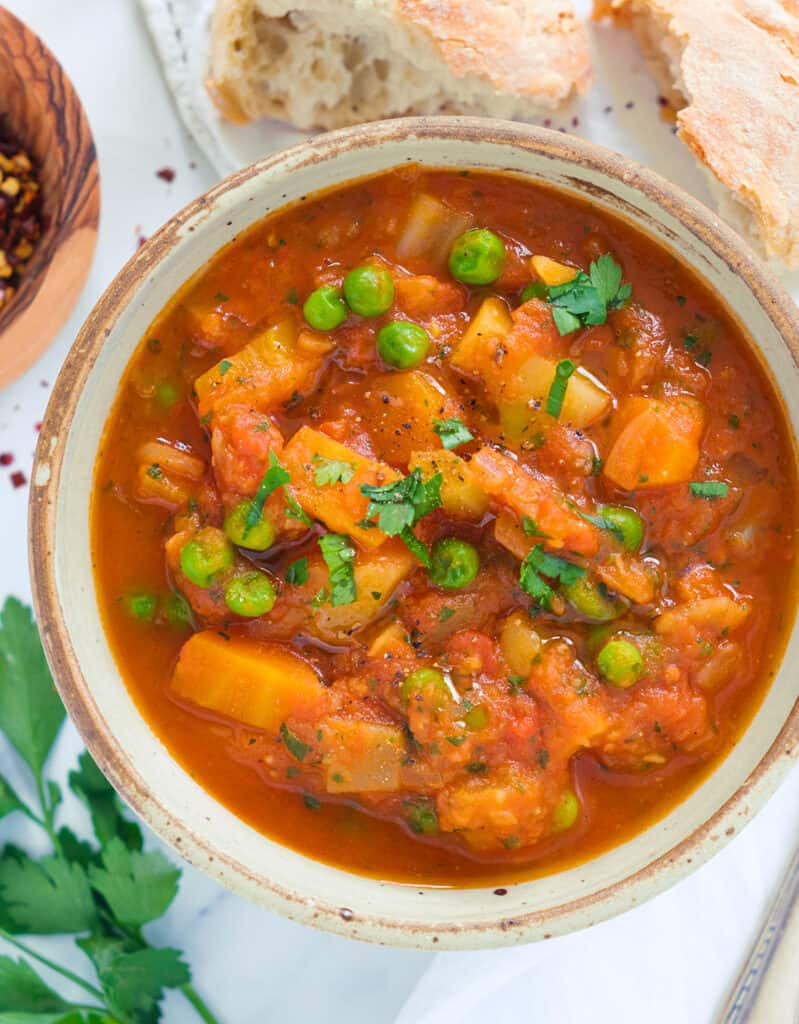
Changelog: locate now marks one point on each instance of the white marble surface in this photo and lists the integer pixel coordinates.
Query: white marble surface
(668, 961)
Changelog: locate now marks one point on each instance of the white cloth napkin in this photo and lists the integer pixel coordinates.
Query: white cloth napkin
(673, 959)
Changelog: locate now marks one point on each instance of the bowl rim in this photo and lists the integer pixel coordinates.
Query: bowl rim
(648, 880)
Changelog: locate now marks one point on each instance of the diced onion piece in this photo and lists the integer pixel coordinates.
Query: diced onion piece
(172, 460)
(492, 320)
(519, 642)
(255, 683)
(551, 272)
(461, 495)
(362, 757)
(658, 442)
(429, 230)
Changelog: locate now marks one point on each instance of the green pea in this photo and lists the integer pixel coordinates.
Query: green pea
(402, 344)
(628, 522)
(423, 819)
(166, 394)
(176, 610)
(426, 679)
(206, 554)
(324, 309)
(477, 257)
(453, 563)
(141, 605)
(369, 290)
(476, 718)
(259, 537)
(620, 662)
(250, 595)
(590, 598)
(566, 812)
(534, 290)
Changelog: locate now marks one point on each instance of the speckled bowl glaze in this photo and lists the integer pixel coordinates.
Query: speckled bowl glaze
(137, 763)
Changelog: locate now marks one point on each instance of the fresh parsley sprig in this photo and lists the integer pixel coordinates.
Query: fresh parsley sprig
(400, 505)
(539, 564)
(587, 298)
(339, 556)
(452, 432)
(102, 891)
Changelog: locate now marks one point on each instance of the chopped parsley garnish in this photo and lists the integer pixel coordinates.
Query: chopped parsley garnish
(517, 683)
(709, 489)
(310, 802)
(276, 476)
(332, 471)
(297, 572)
(587, 298)
(511, 842)
(477, 768)
(339, 556)
(537, 564)
(689, 342)
(320, 597)
(557, 389)
(293, 511)
(221, 297)
(445, 613)
(531, 528)
(400, 505)
(154, 471)
(452, 432)
(733, 421)
(224, 366)
(602, 523)
(294, 744)
(456, 741)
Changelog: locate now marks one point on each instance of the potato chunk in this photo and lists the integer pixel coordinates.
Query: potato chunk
(340, 505)
(429, 230)
(400, 412)
(658, 442)
(551, 272)
(362, 757)
(492, 320)
(461, 494)
(282, 361)
(255, 683)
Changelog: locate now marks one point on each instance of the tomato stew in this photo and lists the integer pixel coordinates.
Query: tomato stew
(444, 528)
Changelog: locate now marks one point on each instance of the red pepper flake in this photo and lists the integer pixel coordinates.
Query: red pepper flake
(6, 459)
(548, 122)
(20, 216)
(629, 105)
(18, 479)
(575, 122)
(166, 174)
(37, 426)
(662, 101)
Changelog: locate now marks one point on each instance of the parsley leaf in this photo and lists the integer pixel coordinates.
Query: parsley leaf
(332, 471)
(586, 298)
(557, 389)
(602, 523)
(554, 568)
(452, 432)
(134, 979)
(30, 710)
(137, 886)
(105, 808)
(294, 744)
(401, 504)
(276, 476)
(339, 556)
(45, 897)
(531, 528)
(9, 801)
(709, 489)
(297, 572)
(24, 996)
(445, 613)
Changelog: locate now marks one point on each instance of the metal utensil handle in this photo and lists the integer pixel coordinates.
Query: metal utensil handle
(748, 986)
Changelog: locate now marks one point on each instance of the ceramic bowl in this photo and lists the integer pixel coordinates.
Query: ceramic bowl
(182, 813)
(40, 110)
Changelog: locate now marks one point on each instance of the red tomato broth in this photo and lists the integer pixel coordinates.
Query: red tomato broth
(259, 279)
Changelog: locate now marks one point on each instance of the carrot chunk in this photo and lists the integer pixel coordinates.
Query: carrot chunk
(658, 443)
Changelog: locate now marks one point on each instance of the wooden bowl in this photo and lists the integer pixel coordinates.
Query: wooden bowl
(40, 109)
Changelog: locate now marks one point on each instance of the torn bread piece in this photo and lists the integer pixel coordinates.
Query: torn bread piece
(329, 63)
(731, 69)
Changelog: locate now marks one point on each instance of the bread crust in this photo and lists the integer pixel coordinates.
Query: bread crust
(502, 57)
(735, 63)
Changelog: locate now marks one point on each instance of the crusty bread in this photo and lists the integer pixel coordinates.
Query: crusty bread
(329, 63)
(731, 68)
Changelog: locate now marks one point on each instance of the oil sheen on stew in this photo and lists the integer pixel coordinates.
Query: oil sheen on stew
(444, 528)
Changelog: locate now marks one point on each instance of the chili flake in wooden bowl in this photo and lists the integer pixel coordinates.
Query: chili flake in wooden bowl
(20, 216)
